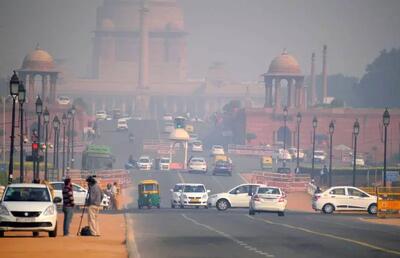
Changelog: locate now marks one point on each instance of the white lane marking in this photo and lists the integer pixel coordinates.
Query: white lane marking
(361, 243)
(235, 240)
(130, 238)
(181, 177)
(242, 177)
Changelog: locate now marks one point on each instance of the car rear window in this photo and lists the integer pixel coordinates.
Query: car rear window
(144, 160)
(268, 190)
(27, 194)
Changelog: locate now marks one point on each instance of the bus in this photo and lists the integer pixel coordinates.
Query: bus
(97, 157)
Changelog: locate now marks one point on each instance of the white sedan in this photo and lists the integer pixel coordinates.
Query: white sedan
(344, 198)
(145, 163)
(217, 150)
(268, 199)
(194, 195)
(28, 207)
(197, 164)
(197, 146)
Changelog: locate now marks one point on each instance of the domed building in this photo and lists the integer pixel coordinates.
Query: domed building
(284, 64)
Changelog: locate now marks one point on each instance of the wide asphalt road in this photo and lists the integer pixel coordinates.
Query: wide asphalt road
(168, 232)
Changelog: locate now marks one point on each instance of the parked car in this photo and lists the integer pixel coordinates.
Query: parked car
(237, 197)
(197, 146)
(284, 155)
(145, 163)
(194, 195)
(164, 163)
(217, 150)
(319, 156)
(28, 207)
(268, 199)
(223, 167)
(176, 193)
(293, 153)
(122, 124)
(344, 198)
(197, 164)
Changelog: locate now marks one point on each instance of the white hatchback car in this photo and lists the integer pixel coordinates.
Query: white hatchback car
(217, 150)
(101, 115)
(122, 124)
(197, 146)
(197, 164)
(144, 163)
(237, 197)
(164, 163)
(268, 199)
(194, 195)
(28, 207)
(344, 198)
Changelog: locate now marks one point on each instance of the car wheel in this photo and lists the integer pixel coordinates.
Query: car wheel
(252, 212)
(172, 206)
(206, 207)
(182, 206)
(54, 232)
(328, 208)
(222, 205)
(158, 206)
(372, 209)
(197, 207)
(1, 233)
(35, 234)
(281, 214)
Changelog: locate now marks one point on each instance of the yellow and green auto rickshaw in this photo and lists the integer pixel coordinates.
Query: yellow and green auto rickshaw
(149, 194)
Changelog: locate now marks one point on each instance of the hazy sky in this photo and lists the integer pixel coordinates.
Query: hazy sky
(244, 34)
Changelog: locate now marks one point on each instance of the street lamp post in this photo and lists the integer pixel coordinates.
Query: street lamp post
(73, 110)
(56, 126)
(314, 124)
(285, 114)
(14, 86)
(69, 116)
(298, 117)
(356, 131)
(21, 100)
(46, 118)
(331, 130)
(39, 111)
(64, 122)
(386, 121)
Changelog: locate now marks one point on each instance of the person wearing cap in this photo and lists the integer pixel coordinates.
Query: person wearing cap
(68, 204)
(93, 202)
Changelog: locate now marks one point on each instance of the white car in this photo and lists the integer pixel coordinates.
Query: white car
(217, 150)
(164, 163)
(167, 117)
(28, 207)
(197, 164)
(284, 155)
(101, 115)
(122, 124)
(79, 193)
(237, 197)
(268, 199)
(63, 100)
(194, 195)
(359, 162)
(144, 163)
(176, 193)
(197, 146)
(319, 156)
(344, 198)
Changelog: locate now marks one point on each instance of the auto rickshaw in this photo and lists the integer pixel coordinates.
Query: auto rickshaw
(149, 194)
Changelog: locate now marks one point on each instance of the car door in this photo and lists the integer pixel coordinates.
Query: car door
(338, 197)
(358, 200)
(58, 189)
(240, 196)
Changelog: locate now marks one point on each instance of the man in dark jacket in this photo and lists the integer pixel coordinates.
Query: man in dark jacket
(68, 204)
(93, 202)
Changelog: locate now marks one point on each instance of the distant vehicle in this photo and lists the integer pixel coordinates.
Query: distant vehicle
(283, 170)
(217, 150)
(164, 163)
(189, 129)
(168, 127)
(266, 162)
(344, 198)
(176, 193)
(293, 153)
(97, 157)
(63, 100)
(116, 113)
(197, 164)
(194, 195)
(268, 199)
(167, 117)
(319, 156)
(197, 146)
(359, 162)
(101, 115)
(284, 155)
(237, 197)
(145, 163)
(223, 167)
(122, 124)
(28, 207)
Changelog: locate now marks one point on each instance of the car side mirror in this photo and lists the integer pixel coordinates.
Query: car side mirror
(57, 200)
(208, 191)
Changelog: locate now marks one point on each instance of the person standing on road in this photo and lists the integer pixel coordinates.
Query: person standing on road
(94, 201)
(68, 204)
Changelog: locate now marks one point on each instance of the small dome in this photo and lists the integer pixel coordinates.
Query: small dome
(38, 60)
(179, 134)
(284, 64)
(107, 24)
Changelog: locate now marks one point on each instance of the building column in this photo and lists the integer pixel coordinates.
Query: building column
(291, 93)
(44, 88)
(277, 85)
(53, 80)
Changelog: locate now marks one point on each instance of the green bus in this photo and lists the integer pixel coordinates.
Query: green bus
(97, 157)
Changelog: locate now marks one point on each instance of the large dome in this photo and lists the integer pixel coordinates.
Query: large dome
(38, 60)
(284, 64)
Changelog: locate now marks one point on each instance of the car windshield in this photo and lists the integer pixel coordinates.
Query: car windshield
(27, 194)
(194, 189)
(164, 161)
(217, 147)
(319, 153)
(197, 160)
(149, 187)
(144, 160)
(268, 190)
(222, 163)
(197, 143)
(177, 188)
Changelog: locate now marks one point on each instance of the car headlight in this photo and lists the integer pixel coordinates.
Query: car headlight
(205, 196)
(49, 211)
(4, 211)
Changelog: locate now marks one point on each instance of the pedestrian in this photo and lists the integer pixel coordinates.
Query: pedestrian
(114, 190)
(324, 174)
(93, 202)
(68, 204)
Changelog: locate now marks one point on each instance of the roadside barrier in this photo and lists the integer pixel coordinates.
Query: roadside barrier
(250, 150)
(388, 202)
(176, 166)
(287, 182)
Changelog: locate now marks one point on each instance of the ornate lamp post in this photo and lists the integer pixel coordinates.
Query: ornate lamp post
(64, 122)
(46, 118)
(285, 114)
(298, 120)
(331, 130)
(386, 121)
(314, 125)
(73, 110)
(356, 131)
(39, 111)
(56, 126)
(14, 86)
(21, 101)
(69, 116)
